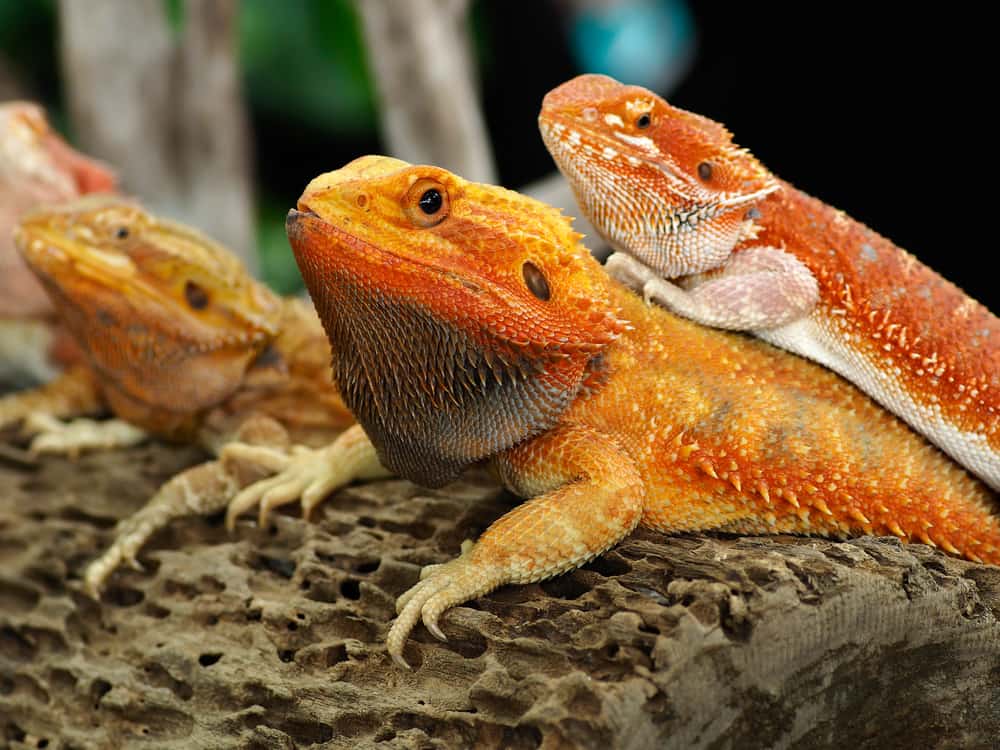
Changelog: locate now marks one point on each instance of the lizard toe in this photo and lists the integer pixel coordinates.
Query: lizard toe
(282, 493)
(268, 459)
(244, 500)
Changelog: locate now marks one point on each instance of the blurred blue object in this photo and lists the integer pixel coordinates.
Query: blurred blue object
(650, 43)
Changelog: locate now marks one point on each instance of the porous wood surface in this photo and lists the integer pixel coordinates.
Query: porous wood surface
(275, 638)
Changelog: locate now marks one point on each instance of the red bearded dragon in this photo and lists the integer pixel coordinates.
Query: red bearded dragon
(670, 191)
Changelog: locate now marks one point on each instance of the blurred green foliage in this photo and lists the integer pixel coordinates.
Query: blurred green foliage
(303, 65)
(305, 60)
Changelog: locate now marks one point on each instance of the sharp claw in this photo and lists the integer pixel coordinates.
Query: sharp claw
(92, 588)
(135, 565)
(307, 508)
(432, 626)
(401, 662)
(232, 514)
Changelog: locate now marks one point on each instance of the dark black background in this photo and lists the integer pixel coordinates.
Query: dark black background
(882, 115)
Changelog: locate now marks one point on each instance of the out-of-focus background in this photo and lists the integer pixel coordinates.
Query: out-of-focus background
(219, 112)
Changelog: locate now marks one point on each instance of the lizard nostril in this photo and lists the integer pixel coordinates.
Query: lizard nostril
(361, 200)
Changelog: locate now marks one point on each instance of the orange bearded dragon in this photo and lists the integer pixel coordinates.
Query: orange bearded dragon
(469, 324)
(180, 343)
(672, 193)
(36, 167)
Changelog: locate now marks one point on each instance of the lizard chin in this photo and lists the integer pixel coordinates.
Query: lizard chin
(465, 396)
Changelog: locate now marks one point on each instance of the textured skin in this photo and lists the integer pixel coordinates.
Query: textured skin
(675, 192)
(179, 341)
(36, 167)
(606, 413)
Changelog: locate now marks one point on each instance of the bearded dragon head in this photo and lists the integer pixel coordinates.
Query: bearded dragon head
(170, 317)
(663, 184)
(463, 317)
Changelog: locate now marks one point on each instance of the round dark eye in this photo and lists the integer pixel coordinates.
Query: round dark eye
(121, 233)
(431, 202)
(705, 171)
(535, 280)
(426, 203)
(643, 120)
(196, 297)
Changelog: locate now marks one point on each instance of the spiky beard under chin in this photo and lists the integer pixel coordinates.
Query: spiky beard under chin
(431, 399)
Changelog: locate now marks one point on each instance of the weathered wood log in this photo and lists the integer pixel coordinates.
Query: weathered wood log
(276, 639)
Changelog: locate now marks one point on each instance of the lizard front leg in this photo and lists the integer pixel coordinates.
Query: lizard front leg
(588, 496)
(54, 436)
(198, 491)
(72, 394)
(757, 288)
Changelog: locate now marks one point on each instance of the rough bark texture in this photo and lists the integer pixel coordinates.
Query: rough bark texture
(275, 639)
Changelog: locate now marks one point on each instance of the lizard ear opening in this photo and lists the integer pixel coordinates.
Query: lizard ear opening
(426, 203)
(535, 280)
(196, 296)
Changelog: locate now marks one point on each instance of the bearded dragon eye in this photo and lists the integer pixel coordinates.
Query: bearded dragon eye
(431, 202)
(535, 281)
(644, 120)
(426, 203)
(196, 297)
(705, 171)
(121, 233)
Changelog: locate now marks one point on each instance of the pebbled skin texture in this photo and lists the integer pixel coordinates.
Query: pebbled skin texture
(671, 189)
(602, 411)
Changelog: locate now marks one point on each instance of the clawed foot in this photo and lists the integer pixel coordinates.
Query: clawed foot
(299, 474)
(302, 473)
(54, 436)
(631, 272)
(441, 587)
(662, 292)
(123, 551)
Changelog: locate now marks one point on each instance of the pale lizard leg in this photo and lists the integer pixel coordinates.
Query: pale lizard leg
(54, 436)
(200, 490)
(589, 496)
(757, 288)
(72, 394)
(304, 473)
